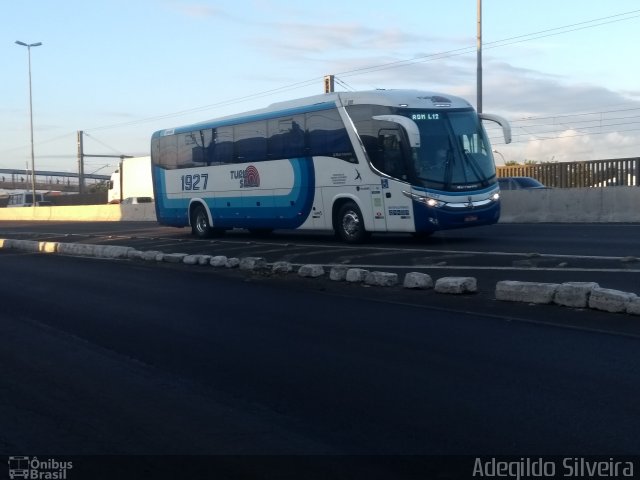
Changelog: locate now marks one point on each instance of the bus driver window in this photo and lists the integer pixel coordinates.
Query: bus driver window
(390, 159)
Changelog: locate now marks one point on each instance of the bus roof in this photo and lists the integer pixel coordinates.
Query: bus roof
(393, 98)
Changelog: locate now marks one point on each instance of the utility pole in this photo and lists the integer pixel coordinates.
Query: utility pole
(329, 83)
(81, 156)
(479, 71)
(80, 163)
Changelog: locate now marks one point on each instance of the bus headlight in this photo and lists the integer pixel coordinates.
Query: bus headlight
(428, 201)
(495, 197)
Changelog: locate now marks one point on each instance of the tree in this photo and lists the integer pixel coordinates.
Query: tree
(99, 187)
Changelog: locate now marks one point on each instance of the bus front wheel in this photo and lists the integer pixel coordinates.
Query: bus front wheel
(350, 224)
(200, 226)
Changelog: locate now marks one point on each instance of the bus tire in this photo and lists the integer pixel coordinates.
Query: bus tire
(350, 224)
(200, 226)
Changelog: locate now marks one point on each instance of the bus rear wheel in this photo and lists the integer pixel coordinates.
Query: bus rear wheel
(200, 226)
(350, 224)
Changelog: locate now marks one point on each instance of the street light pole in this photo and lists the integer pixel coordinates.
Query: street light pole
(479, 60)
(33, 168)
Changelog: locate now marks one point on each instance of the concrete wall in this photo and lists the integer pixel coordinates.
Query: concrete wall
(573, 205)
(615, 204)
(95, 213)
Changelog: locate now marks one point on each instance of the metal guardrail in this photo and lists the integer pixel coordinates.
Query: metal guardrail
(48, 173)
(593, 173)
(16, 179)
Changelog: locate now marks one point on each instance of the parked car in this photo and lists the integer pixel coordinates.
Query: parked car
(136, 200)
(519, 183)
(24, 199)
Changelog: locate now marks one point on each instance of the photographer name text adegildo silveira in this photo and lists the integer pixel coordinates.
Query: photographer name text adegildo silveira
(539, 467)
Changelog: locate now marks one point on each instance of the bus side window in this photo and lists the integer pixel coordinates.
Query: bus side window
(187, 142)
(276, 141)
(328, 136)
(168, 152)
(286, 138)
(201, 152)
(296, 139)
(222, 145)
(250, 142)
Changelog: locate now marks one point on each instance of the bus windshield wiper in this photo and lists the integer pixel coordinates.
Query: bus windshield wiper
(448, 171)
(473, 163)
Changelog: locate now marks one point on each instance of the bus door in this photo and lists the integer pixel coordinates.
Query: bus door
(397, 209)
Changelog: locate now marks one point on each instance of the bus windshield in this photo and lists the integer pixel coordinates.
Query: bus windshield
(453, 152)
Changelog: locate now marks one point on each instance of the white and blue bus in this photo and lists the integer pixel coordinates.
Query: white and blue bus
(351, 162)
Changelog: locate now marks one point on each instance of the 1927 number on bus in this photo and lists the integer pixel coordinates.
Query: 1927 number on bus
(197, 181)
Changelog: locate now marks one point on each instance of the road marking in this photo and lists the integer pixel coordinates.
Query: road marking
(468, 267)
(378, 251)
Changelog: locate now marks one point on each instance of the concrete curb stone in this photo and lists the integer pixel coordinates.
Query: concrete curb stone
(574, 294)
(150, 255)
(218, 261)
(191, 259)
(356, 275)
(281, 267)
(135, 255)
(456, 285)
(381, 279)
(232, 262)
(312, 271)
(529, 292)
(174, 257)
(608, 300)
(633, 307)
(204, 260)
(338, 274)
(417, 280)
(253, 263)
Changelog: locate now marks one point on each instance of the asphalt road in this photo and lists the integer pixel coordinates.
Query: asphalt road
(135, 358)
(608, 254)
(109, 357)
(617, 240)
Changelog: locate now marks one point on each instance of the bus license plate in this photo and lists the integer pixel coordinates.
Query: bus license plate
(471, 218)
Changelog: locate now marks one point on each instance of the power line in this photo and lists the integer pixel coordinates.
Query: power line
(559, 124)
(344, 84)
(565, 29)
(496, 139)
(396, 64)
(113, 149)
(406, 62)
(566, 115)
(494, 44)
(42, 142)
(222, 103)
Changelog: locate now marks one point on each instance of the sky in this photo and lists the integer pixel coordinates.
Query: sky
(563, 73)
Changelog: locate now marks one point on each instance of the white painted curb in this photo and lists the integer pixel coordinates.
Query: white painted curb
(529, 292)
(569, 294)
(417, 280)
(609, 300)
(456, 285)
